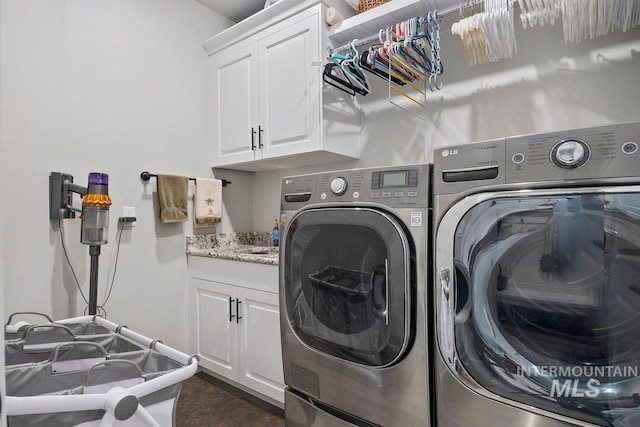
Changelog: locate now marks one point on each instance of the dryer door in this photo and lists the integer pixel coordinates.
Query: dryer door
(539, 300)
(348, 284)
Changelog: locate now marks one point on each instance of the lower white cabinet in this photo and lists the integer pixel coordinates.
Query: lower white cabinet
(235, 323)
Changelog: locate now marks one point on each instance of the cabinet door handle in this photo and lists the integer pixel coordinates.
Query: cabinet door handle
(238, 317)
(231, 316)
(253, 139)
(260, 130)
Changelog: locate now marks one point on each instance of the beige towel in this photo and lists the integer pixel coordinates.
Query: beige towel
(173, 192)
(207, 203)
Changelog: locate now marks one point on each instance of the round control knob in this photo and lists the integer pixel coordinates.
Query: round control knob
(570, 153)
(339, 185)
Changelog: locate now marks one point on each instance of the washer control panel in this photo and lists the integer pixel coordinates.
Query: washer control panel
(600, 152)
(400, 186)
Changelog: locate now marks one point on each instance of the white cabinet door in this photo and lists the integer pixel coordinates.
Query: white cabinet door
(216, 337)
(235, 326)
(260, 364)
(290, 89)
(235, 104)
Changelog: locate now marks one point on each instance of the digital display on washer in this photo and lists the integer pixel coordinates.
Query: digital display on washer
(394, 179)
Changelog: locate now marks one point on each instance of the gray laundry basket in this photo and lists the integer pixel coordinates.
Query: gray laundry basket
(78, 325)
(38, 342)
(83, 384)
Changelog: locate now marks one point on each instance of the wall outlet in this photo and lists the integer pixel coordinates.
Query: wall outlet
(128, 211)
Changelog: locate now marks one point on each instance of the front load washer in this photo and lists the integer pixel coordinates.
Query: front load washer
(353, 286)
(537, 287)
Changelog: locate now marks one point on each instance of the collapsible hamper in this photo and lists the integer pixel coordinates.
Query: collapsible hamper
(38, 342)
(78, 325)
(82, 384)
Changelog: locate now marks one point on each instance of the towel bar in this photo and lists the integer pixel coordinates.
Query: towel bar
(146, 176)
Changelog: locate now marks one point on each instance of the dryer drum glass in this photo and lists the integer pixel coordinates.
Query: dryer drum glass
(553, 304)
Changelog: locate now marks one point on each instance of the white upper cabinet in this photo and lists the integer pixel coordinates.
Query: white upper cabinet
(270, 107)
(235, 106)
(289, 107)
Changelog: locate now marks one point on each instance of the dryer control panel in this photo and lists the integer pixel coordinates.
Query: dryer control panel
(394, 186)
(586, 155)
(599, 152)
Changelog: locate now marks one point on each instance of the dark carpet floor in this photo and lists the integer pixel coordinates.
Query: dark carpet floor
(207, 402)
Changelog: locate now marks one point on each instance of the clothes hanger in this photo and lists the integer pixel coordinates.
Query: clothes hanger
(335, 76)
(396, 52)
(380, 57)
(342, 82)
(400, 59)
(402, 73)
(411, 51)
(364, 63)
(418, 42)
(523, 13)
(351, 68)
(350, 78)
(391, 52)
(378, 60)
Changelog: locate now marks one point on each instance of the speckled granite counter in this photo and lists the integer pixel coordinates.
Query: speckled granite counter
(251, 246)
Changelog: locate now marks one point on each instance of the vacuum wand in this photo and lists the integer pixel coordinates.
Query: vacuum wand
(94, 253)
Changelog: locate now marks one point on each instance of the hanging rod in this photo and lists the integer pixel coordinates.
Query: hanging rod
(146, 176)
(464, 9)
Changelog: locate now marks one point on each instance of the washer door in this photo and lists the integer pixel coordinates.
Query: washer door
(539, 300)
(348, 284)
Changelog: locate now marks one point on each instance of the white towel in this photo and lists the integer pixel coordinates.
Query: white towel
(207, 203)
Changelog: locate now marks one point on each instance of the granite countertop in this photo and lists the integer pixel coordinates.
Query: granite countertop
(251, 246)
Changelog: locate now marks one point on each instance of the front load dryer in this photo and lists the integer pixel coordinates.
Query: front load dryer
(537, 280)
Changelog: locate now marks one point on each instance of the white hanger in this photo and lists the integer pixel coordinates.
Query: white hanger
(523, 14)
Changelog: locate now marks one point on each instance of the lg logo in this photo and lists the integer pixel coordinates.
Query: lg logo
(447, 153)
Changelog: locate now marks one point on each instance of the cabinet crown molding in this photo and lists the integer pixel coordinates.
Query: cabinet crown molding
(267, 18)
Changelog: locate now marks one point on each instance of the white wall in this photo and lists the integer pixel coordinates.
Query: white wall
(549, 86)
(115, 86)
